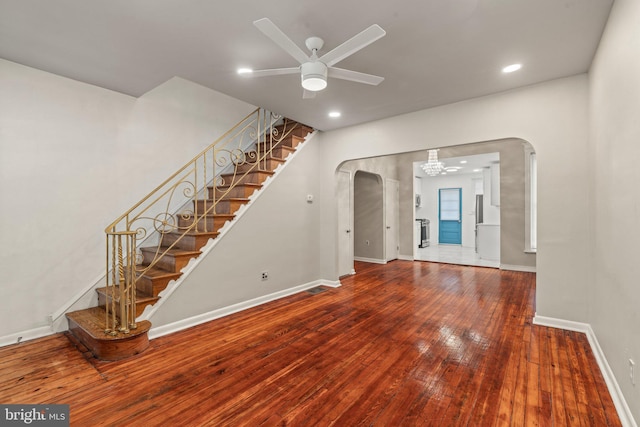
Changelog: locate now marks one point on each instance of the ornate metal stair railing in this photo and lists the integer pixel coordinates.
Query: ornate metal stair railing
(172, 208)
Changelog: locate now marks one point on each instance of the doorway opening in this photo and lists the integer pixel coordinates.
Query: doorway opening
(459, 204)
(505, 211)
(368, 218)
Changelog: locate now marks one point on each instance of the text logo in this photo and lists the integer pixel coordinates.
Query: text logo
(34, 415)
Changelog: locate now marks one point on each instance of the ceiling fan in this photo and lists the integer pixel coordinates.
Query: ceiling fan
(314, 70)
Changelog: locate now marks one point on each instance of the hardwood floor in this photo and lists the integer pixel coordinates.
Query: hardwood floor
(402, 344)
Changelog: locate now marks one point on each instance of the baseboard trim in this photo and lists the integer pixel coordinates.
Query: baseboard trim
(371, 260)
(512, 267)
(568, 325)
(351, 273)
(406, 257)
(30, 334)
(624, 412)
(329, 283)
(180, 325)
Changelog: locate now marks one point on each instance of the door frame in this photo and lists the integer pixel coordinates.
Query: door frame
(393, 228)
(345, 254)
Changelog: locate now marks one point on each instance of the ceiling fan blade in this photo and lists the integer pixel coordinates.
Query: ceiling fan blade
(308, 94)
(272, 72)
(354, 44)
(270, 30)
(355, 76)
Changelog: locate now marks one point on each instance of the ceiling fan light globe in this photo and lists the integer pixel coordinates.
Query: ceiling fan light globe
(314, 76)
(314, 84)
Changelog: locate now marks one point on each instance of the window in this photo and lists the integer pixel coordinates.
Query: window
(450, 204)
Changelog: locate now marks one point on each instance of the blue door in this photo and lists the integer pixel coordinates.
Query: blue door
(450, 216)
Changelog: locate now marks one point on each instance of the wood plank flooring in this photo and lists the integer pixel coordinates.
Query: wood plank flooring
(402, 344)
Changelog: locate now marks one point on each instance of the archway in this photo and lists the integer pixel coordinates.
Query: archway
(514, 181)
(368, 217)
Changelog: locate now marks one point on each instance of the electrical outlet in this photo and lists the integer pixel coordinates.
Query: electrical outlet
(632, 366)
(265, 275)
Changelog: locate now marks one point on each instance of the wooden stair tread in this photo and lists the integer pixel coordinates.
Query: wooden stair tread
(273, 159)
(191, 240)
(281, 149)
(253, 171)
(240, 189)
(91, 321)
(293, 126)
(265, 147)
(266, 164)
(156, 273)
(140, 298)
(171, 252)
(210, 202)
(226, 216)
(88, 327)
(235, 199)
(237, 177)
(195, 233)
(226, 205)
(246, 184)
(229, 217)
(277, 159)
(257, 169)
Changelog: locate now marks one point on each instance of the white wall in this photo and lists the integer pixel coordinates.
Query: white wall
(491, 213)
(614, 294)
(73, 157)
(429, 209)
(551, 116)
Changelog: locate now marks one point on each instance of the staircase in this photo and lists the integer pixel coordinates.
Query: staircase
(231, 171)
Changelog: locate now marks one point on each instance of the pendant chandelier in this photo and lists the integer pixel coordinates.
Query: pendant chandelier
(433, 167)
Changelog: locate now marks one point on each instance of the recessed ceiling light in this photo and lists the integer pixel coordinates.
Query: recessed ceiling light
(511, 68)
(477, 170)
(463, 161)
(335, 114)
(245, 71)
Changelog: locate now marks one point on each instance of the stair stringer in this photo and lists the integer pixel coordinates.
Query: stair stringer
(174, 285)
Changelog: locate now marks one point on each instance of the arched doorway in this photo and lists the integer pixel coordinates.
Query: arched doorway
(368, 217)
(514, 182)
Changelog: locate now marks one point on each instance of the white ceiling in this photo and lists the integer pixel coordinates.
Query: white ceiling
(435, 51)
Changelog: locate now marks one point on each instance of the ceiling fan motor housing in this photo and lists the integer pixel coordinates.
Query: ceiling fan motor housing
(314, 75)
(314, 44)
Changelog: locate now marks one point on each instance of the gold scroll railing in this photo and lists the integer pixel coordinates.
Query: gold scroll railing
(171, 211)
